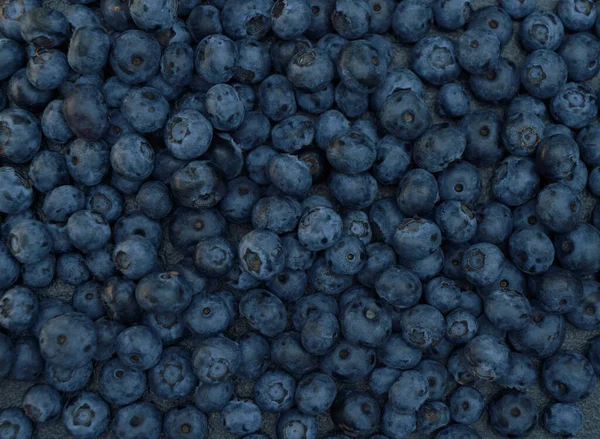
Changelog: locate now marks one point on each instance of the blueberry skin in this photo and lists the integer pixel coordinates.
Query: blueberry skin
(411, 20)
(189, 226)
(274, 391)
(173, 376)
(42, 403)
(356, 413)
(18, 309)
(518, 411)
(119, 384)
(289, 174)
(242, 19)
(456, 221)
(580, 53)
(290, 18)
(494, 223)
(499, 86)
(204, 19)
(23, 94)
(507, 309)
(54, 124)
(310, 303)
(456, 431)
(241, 417)
(399, 287)
(397, 424)
(401, 79)
(29, 241)
(422, 326)
(154, 199)
(486, 357)
(239, 199)
(87, 300)
(396, 353)
(350, 102)
(531, 250)
(145, 417)
(543, 74)
(163, 292)
(276, 98)
(432, 416)
(44, 27)
(118, 19)
(541, 30)
(515, 181)
(86, 112)
(382, 378)
(16, 423)
(88, 49)
(288, 353)
(49, 308)
(212, 69)
(198, 184)
(482, 263)
(47, 69)
(453, 100)
(310, 70)
(575, 105)
(71, 269)
(362, 66)
(568, 376)
(522, 372)
(87, 416)
(210, 398)
(88, 231)
(575, 250)
(439, 146)
(153, 15)
(177, 64)
(461, 326)
(483, 129)
(136, 223)
(264, 312)
(224, 107)
(554, 298)
(135, 57)
(434, 60)
(366, 322)
(522, 134)
(413, 203)
(588, 140)
(562, 214)
(169, 326)
(179, 422)
(68, 340)
(466, 405)
(562, 419)
(494, 19)
(585, 315)
(351, 18)
(20, 135)
(542, 336)
(478, 51)
(11, 53)
(392, 160)
(576, 16)
(61, 202)
(107, 331)
(138, 347)
(527, 105)
(348, 362)
(255, 354)
(145, 108)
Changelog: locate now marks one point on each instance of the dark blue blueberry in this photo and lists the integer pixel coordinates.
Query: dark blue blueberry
(396, 353)
(558, 208)
(311, 69)
(559, 291)
(214, 257)
(508, 309)
(47, 69)
(146, 110)
(453, 14)
(163, 292)
(184, 422)
(466, 405)
(416, 238)
(15, 423)
(216, 359)
(356, 225)
(61, 202)
(432, 416)
(172, 377)
(49, 308)
(411, 20)
(442, 293)
(439, 146)
(498, 86)
(136, 224)
(483, 129)
(382, 378)
(138, 347)
(487, 357)
(79, 15)
(23, 94)
(348, 362)
(11, 53)
(68, 340)
(87, 300)
(88, 49)
(288, 285)
(7, 351)
(460, 181)
(87, 161)
(88, 230)
(18, 309)
(198, 184)
(541, 30)
(542, 336)
(365, 321)
(399, 287)
(574, 106)
(543, 74)
(274, 391)
(255, 355)
(568, 376)
(422, 326)
(240, 417)
(48, 170)
(531, 250)
(362, 66)
(453, 100)
(288, 353)
(588, 140)
(216, 69)
(351, 18)
(409, 391)
(405, 115)
(264, 311)
(592, 353)
(169, 326)
(356, 413)
(135, 57)
(86, 112)
(44, 27)
(576, 250)
(580, 53)
(212, 398)
(494, 223)
(42, 403)
(456, 221)
(29, 241)
(478, 51)
(119, 384)
(289, 174)
(461, 326)
(397, 424)
(457, 431)
(494, 19)
(527, 105)
(577, 15)
(310, 303)
(188, 226)
(140, 419)
(512, 414)
(107, 331)
(20, 135)
(515, 181)
(522, 133)
(154, 199)
(86, 416)
(27, 364)
(522, 372)
(434, 60)
(562, 419)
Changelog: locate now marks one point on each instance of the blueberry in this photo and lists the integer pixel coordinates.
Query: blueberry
(487, 357)
(522, 372)
(432, 416)
(466, 405)
(411, 20)
(522, 133)
(87, 416)
(107, 331)
(592, 353)
(68, 340)
(140, 419)
(422, 326)
(172, 377)
(541, 30)
(44, 27)
(404, 114)
(86, 112)
(289, 174)
(399, 286)
(212, 397)
(453, 100)
(163, 292)
(574, 106)
(27, 362)
(562, 419)
(311, 69)
(181, 422)
(119, 384)
(576, 15)
(288, 353)
(456, 221)
(512, 413)
(135, 57)
(138, 347)
(351, 18)
(542, 336)
(382, 378)
(507, 309)
(25, 95)
(461, 326)
(568, 376)
(87, 161)
(558, 208)
(397, 424)
(63, 201)
(515, 181)
(356, 413)
(274, 391)
(478, 51)
(531, 250)
(241, 417)
(575, 249)
(483, 130)
(42, 403)
(409, 391)
(18, 309)
(434, 60)
(396, 353)
(39, 274)
(133, 224)
(315, 393)
(498, 86)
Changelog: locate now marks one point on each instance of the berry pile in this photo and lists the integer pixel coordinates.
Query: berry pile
(298, 219)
